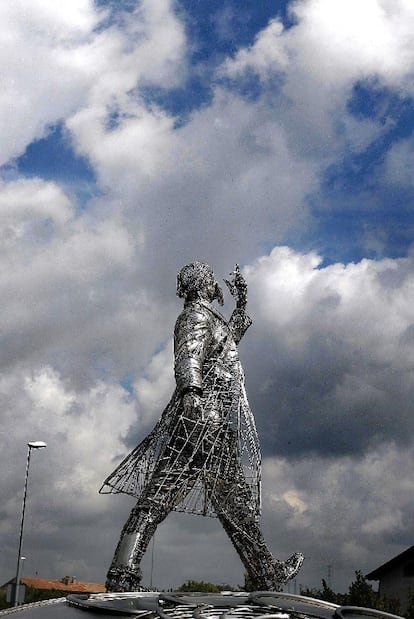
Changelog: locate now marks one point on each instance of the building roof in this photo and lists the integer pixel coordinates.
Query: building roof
(402, 558)
(63, 584)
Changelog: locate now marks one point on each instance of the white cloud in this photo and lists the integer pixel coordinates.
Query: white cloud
(267, 56)
(334, 43)
(66, 61)
(347, 41)
(331, 364)
(367, 305)
(44, 260)
(84, 432)
(138, 147)
(332, 46)
(69, 287)
(294, 500)
(399, 163)
(30, 210)
(154, 389)
(231, 158)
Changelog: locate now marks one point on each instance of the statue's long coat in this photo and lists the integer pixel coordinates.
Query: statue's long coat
(198, 454)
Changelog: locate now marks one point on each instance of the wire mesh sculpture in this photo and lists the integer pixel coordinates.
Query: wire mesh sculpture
(203, 455)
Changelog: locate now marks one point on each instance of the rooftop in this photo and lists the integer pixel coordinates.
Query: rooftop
(403, 557)
(67, 583)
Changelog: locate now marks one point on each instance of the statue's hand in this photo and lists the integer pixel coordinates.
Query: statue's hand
(192, 405)
(238, 287)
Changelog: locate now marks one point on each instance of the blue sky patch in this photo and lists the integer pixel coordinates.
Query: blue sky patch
(52, 157)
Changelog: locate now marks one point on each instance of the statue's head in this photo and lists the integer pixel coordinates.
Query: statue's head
(196, 280)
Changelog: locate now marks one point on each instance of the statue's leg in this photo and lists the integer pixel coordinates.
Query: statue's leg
(124, 573)
(234, 506)
(171, 481)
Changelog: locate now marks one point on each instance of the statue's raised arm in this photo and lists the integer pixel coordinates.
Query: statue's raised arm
(239, 321)
(238, 288)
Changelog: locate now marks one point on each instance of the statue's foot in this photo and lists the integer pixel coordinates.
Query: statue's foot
(123, 578)
(283, 571)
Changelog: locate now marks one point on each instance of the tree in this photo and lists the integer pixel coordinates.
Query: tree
(32, 595)
(37, 595)
(3, 603)
(200, 586)
(410, 608)
(326, 593)
(360, 593)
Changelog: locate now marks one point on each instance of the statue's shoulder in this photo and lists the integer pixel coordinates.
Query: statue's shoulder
(213, 311)
(192, 313)
(199, 311)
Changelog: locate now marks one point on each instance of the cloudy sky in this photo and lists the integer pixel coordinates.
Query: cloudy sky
(138, 135)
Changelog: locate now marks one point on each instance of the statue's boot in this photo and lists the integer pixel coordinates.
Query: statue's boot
(160, 497)
(123, 578)
(283, 571)
(125, 573)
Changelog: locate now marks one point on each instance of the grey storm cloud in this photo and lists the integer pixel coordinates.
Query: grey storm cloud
(331, 361)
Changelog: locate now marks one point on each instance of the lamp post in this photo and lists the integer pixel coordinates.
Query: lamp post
(30, 446)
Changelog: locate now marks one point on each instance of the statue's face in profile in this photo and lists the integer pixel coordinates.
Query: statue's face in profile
(196, 280)
(209, 290)
(212, 290)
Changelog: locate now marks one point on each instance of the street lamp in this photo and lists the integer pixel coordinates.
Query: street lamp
(30, 446)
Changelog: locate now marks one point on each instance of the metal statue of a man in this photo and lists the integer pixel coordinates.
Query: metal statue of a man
(203, 455)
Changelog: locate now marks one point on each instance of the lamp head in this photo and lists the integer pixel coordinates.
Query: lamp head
(36, 444)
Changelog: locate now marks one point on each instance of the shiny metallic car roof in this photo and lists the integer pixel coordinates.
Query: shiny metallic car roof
(225, 605)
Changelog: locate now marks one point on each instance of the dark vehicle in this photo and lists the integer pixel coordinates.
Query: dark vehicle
(154, 605)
